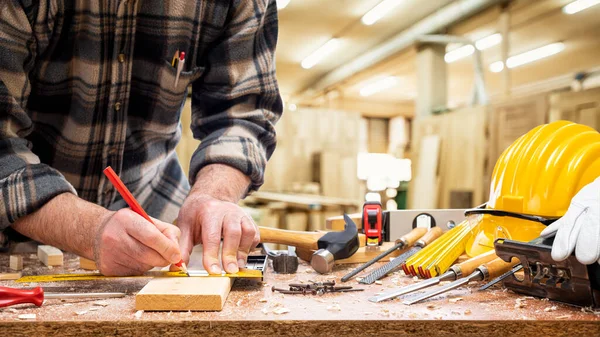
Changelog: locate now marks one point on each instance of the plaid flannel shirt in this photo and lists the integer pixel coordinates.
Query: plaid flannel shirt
(85, 84)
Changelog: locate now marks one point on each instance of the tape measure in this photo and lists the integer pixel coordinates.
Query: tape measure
(243, 273)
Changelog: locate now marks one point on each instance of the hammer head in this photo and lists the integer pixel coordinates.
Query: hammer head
(335, 246)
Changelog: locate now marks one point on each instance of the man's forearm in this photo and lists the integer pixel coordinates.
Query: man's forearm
(222, 182)
(66, 222)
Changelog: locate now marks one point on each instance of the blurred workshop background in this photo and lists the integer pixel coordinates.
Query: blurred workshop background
(411, 102)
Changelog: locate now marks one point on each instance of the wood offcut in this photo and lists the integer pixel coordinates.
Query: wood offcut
(50, 256)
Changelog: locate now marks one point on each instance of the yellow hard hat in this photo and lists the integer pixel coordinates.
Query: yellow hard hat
(534, 181)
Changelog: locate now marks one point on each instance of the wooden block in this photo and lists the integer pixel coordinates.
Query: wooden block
(87, 264)
(16, 262)
(50, 256)
(10, 276)
(184, 293)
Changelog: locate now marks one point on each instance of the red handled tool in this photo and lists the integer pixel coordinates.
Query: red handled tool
(133, 204)
(372, 223)
(36, 296)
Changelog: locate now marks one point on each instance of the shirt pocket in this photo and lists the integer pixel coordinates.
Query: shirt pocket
(168, 79)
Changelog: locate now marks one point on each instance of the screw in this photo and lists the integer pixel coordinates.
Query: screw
(341, 288)
(296, 285)
(273, 289)
(290, 292)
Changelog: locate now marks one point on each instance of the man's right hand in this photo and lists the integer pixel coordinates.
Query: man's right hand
(127, 244)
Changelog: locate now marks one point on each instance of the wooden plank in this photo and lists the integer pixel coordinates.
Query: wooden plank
(50, 256)
(183, 294)
(337, 223)
(16, 262)
(10, 276)
(87, 264)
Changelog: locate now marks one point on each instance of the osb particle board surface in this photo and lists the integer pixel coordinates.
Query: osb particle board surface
(252, 306)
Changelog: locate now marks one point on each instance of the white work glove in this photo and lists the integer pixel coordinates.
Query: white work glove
(579, 228)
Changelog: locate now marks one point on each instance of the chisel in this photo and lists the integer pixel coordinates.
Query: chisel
(501, 277)
(404, 242)
(393, 265)
(484, 272)
(457, 271)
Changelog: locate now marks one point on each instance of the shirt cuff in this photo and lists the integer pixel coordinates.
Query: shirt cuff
(28, 189)
(240, 153)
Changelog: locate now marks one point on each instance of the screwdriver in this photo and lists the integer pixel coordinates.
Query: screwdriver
(133, 204)
(457, 271)
(484, 272)
(13, 296)
(405, 241)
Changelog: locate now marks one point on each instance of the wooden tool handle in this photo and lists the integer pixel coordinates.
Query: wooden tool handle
(306, 240)
(469, 266)
(431, 235)
(498, 267)
(412, 237)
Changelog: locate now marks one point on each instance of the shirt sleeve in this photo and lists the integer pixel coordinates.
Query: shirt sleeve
(25, 183)
(236, 104)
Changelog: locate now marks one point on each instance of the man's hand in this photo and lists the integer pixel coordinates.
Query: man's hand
(210, 212)
(127, 244)
(579, 229)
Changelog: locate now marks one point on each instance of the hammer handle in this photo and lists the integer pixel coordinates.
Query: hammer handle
(299, 239)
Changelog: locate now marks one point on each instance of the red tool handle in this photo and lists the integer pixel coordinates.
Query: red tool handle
(128, 197)
(12, 296)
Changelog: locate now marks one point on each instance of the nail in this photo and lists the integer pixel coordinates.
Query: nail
(214, 269)
(241, 263)
(233, 267)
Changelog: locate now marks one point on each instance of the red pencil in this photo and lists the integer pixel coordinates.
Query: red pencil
(133, 204)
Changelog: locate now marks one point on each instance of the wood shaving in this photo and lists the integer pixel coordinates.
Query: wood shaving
(138, 314)
(12, 310)
(455, 313)
(335, 307)
(94, 309)
(265, 284)
(238, 303)
(308, 271)
(281, 311)
(432, 307)
(79, 313)
(321, 300)
(379, 282)
(412, 315)
(454, 300)
(438, 317)
(263, 300)
(358, 279)
(33, 256)
(50, 267)
(467, 312)
(563, 317)
(101, 303)
(67, 304)
(27, 316)
(265, 311)
(519, 303)
(552, 308)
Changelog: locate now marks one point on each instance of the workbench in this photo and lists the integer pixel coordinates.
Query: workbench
(250, 307)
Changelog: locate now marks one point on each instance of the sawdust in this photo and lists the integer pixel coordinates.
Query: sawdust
(412, 315)
(101, 303)
(520, 303)
(238, 303)
(379, 282)
(552, 308)
(263, 300)
(335, 307)
(358, 279)
(438, 317)
(467, 312)
(281, 311)
(432, 307)
(27, 316)
(454, 300)
(138, 314)
(265, 311)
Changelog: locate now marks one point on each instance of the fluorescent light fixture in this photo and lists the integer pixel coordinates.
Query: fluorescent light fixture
(281, 4)
(489, 41)
(379, 11)
(579, 5)
(377, 86)
(292, 107)
(528, 57)
(459, 53)
(466, 50)
(497, 66)
(319, 54)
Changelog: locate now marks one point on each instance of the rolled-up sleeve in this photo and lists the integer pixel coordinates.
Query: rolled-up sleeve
(236, 104)
(25, 183)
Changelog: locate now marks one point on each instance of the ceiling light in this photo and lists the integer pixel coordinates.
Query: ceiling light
(527, 57)
(293, 107)
(379, 11)
(459, 53)
(466, 50)
(579, 5)
(320, 53)
(281, 4)
(380, 85)
(489, 41)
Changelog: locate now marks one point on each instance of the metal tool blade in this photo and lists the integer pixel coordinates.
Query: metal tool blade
(371, 262)
(389, 267)
(502, 277)
(450, 275)
(477, 275)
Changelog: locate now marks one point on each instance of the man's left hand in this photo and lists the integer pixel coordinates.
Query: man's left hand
(210, 212)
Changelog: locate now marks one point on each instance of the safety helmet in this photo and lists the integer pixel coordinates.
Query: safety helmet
(534, 181)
